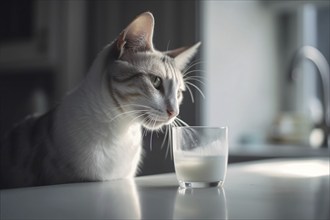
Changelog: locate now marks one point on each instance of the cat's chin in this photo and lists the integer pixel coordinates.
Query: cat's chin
(154, 126)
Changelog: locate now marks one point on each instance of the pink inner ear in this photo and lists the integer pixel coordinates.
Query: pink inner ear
(183, 55)
(121, 43)
(138, 34)
(175, 52)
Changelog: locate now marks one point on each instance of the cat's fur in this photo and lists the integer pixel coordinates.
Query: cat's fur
(95, 133)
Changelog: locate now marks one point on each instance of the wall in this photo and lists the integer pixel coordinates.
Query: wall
(241, 67)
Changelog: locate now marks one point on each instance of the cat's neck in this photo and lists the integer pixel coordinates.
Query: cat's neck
(87, 113)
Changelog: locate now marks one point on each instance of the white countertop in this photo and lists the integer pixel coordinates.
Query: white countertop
(270, 189)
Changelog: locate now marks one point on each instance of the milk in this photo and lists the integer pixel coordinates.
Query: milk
(200, 168)
(200, 156)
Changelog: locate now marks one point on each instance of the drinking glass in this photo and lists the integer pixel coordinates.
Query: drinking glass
(200, 155)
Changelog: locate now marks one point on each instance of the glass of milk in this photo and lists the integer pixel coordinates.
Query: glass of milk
(200, 155)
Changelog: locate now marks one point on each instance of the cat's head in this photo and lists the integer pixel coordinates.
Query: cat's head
(144, 82)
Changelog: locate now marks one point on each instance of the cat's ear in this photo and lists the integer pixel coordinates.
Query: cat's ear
(183, 55)
(137, 36)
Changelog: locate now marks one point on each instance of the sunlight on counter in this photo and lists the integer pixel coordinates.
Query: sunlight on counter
(296, 169)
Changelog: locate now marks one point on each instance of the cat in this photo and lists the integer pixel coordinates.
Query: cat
(94, 134)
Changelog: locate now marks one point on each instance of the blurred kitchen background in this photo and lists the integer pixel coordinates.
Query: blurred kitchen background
(265, 65)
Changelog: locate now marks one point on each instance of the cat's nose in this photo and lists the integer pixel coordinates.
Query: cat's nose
(171, 113)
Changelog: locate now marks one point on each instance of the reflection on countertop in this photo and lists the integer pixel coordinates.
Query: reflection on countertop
(99, 200)
(199, 203)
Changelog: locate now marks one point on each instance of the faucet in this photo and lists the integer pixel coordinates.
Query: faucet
(317, 58)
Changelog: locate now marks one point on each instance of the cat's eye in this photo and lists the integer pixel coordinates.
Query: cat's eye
(156, 81)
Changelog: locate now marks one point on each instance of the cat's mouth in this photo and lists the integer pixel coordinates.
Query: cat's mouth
(154, 122)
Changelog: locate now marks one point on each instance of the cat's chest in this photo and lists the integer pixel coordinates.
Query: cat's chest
(127, 140)
(119, 155)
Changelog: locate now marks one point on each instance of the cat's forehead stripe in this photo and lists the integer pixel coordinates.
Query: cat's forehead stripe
(163, 59)
(171, 72)
(169, 67)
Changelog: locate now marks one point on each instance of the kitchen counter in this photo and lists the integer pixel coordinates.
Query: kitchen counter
(269, 189)
(250, 152)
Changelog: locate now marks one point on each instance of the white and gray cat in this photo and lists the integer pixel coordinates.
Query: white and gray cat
(95, 133)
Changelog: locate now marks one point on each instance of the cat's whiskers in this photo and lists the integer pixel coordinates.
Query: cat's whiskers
(191, 66)
(180, 121)
(192, 71)
(152, 131)
(147, 122)
(168, 45)
(196, 87)
(139, 116)
(127, 114)
(130, 105)
(169, 136)
(193, 78)
(188, 80)
(165, 135)
(191, 93)
(146, 109)
(144, 132)
(169, 143)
